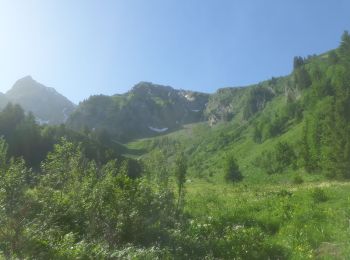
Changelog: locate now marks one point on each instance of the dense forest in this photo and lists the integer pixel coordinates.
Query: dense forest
(261, 174)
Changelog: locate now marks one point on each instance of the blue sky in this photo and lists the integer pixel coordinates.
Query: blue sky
(85, 47)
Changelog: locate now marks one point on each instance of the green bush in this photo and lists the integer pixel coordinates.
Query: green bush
(297, 179)
(278, 159)
(231, 170)
(319, 195)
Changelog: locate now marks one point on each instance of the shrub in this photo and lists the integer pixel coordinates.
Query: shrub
(298, 179)
(319, 195)
(277, 160)
(231, 169)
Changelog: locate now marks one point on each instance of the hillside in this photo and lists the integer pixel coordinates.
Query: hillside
(149, 109)
(282, 125)
(256, 172)
(146, 110)
(3, 100)
(47, 105)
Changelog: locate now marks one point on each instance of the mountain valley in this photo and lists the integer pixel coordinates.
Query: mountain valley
(254, 172)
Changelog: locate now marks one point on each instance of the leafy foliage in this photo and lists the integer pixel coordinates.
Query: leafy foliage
(180, 175)
(76, 202)
(277, 160)
(135, 113)
(257, 99)
(82, 200)
(24, 136)
(231, 170)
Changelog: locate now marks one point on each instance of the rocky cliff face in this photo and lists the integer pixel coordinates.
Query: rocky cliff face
(225, 104)
(244, 102)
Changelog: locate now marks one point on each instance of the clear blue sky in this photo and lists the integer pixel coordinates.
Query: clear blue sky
(84, 47)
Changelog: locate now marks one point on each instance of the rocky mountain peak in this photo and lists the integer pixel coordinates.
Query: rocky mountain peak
(148, 88)
(45, 103)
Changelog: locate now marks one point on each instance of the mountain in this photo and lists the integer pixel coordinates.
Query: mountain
(295, 123)
(3, 100)
(241, 103)
(47, 105)
(267, 178)
(149, 109)
(146, 110)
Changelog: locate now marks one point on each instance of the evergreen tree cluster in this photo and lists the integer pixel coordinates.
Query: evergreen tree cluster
(321, 102)
(26, 139)
(326, 133)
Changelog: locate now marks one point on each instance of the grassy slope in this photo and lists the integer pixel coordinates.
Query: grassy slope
(310, 220)
(207, 146)
(292, 216)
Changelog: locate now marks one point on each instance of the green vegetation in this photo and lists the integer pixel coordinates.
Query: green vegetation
(32, 142)
(180, 175)
(278, 160)
(231, 169)
(78, 209)
(134, 114)
(267, 178)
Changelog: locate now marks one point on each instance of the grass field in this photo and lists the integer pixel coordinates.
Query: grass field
(291, 215)
(308, 220)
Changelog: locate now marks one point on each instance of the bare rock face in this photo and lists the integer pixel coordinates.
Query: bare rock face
(225, 104)
(47, 105)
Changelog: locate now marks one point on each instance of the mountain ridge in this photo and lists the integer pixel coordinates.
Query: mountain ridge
(46, 104)
(144, 110)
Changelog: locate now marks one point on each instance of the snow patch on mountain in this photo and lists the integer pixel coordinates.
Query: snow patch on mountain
(189, 97)
(41, 121)
(158, 130)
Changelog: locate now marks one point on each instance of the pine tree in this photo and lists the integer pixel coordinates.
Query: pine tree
(305, 151)
(231, 169)
(180, 174)
(344, 48)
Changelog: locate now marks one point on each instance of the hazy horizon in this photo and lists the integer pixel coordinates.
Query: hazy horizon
(82, 48)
